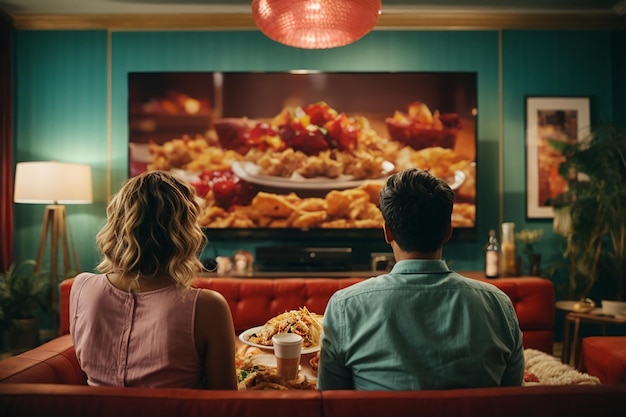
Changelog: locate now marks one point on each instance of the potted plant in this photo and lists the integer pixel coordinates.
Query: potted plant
(591, 213)
(23, 292)
(527, 238)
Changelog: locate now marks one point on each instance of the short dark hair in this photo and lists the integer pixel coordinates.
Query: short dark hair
(417, 209)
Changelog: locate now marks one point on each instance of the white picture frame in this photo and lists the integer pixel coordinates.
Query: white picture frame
(559, 118)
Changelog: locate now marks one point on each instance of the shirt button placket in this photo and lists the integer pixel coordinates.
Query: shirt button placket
(128, 316)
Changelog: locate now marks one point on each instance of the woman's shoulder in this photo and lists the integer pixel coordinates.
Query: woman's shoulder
(211, 302)
(85, 281)
(86, 276)
(210, 296)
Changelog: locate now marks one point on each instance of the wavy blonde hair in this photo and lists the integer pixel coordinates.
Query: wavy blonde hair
(152, 229)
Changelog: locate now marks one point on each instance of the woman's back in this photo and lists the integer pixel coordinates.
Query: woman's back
(141, 323)
(127, 338)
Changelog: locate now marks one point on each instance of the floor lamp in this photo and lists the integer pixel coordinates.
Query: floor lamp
(55, 184)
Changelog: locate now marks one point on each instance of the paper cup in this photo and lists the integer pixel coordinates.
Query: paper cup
(287, 349)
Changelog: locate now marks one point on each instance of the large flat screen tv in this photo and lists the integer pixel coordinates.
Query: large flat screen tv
(303, 154)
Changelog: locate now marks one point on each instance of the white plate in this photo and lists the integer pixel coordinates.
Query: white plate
(246, 334)
(269, 361)
(251, 172)
(264, 359)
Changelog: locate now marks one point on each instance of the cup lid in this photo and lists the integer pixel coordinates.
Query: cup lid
(286, 339)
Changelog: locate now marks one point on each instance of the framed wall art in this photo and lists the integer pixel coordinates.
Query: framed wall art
(547, 119)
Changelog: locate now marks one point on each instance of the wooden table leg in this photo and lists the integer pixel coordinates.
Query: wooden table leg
(566, 341)
(575, 342)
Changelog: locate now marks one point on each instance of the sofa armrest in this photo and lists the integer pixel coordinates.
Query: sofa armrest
(64, 304)
(53, 362)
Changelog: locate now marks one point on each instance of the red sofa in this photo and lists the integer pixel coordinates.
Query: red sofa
(48, 381)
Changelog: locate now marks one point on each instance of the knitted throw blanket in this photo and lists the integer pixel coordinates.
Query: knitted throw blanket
(544, 369)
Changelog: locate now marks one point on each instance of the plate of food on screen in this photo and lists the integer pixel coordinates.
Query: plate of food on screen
(315, 167)
(310, 175)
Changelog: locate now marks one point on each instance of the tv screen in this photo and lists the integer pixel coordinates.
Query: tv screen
(304, 153)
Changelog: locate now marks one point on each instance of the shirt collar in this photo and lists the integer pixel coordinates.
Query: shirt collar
(420, 266)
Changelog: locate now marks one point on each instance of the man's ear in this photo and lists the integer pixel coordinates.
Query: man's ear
(388, 235)
(449, 234)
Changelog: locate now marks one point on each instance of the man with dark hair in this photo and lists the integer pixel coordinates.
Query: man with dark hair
(421, 326)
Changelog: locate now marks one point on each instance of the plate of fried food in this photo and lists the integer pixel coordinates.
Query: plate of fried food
(300, 321)
(257, 371)
(253, 173)
(262, 377)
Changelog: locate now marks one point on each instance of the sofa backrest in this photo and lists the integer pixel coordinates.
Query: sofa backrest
(77, 401)
(53, 362)
(554, 400)
(252, 301)
(255, 300)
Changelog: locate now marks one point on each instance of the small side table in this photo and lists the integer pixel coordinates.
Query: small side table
(571, 345)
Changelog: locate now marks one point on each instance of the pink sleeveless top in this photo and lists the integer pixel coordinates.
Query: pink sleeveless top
(127, 339)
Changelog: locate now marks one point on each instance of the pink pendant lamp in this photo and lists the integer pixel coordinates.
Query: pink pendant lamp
(316, 24)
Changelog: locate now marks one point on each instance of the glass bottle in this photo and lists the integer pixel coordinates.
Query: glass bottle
(509, 265)
(492, 256)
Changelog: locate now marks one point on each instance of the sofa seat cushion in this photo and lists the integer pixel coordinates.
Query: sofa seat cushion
(605, 357)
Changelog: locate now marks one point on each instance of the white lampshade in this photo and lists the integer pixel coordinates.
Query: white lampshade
(52, 183)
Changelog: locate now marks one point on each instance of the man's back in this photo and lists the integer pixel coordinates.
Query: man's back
(420, 327)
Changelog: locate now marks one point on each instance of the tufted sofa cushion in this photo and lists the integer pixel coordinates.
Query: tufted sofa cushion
(254, 301)
(533, 300)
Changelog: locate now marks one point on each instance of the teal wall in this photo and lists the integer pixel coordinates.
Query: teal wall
(548, 63)
(60, 108)
(64, 79)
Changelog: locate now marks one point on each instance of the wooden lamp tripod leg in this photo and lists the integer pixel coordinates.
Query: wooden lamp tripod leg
(47, 222)
(54, 223)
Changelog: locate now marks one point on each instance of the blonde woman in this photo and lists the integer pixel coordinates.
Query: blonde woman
(139, 323)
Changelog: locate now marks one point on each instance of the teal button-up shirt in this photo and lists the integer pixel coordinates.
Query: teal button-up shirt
(421, 326)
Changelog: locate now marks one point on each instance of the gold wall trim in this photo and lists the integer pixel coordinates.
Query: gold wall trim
(411, 20)
(135, 21)
(499, 21)
(109, 168)
(500, 131)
